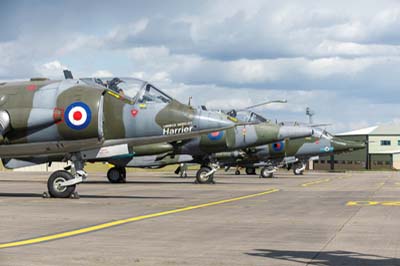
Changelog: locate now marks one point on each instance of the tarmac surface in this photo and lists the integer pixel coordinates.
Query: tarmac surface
(159, 219)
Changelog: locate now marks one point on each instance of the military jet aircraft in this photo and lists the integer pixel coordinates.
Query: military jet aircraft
(79, 120)
(292, 154)
(201, 149)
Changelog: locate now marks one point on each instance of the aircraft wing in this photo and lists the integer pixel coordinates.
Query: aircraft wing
(70, 146)
(47, 148)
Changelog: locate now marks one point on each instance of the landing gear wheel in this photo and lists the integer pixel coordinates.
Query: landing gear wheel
(117, 175)
(237, 172)
(298, 169)
(266, 172)
(54, 187)
(250, 170)
(201, 176)
(123, 172)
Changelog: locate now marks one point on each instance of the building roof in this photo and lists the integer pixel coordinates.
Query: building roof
(384, 129)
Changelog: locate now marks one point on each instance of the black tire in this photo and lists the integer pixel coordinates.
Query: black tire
(297, 166)
(123, 172)
(55, 190)
(265, 173)
(237, 172)
(116, 175)
(297, 173)
(250, 170)
(201, 179)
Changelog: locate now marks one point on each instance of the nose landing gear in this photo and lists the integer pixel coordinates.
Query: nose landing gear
(62, 184)
(267, 172)
(298, 168)
(117, 175)
(205, 175)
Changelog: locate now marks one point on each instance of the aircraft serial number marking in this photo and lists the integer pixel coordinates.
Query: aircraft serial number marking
(316, 182)
(125, 221)
(373, 203)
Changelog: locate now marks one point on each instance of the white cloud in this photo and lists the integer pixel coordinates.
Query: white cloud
(51, 69)
(325, 67)
(148, 53)
(102, 74)
(79, 41)
(229, 53)
(351, 49)
(122, 32)
(194, 69)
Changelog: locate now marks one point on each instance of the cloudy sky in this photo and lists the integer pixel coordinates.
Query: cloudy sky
(341, 58)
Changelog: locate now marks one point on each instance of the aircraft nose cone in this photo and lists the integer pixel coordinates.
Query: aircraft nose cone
(348, 145)
(209, 120)
(293, 132)
(353, 145)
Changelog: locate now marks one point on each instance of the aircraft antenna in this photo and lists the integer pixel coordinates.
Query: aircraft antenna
(310, 113)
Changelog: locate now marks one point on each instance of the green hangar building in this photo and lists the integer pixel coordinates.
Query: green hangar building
(382, 151)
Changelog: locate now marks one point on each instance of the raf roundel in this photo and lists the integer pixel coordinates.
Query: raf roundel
(278, 146)
(78, 116)
(217, 135)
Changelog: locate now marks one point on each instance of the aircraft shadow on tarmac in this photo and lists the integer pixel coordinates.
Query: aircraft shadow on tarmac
(325, 258)
(36, 195)
(141, 182)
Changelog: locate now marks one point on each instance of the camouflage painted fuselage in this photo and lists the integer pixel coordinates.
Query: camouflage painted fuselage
(241, 137)
(297, 149)
(74, 116)
(201, 149)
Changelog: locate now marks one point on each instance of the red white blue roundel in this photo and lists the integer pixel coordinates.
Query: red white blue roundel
(217, 135)
(78, 115)
(278, 146)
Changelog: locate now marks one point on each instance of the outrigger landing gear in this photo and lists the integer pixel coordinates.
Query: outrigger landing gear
(62, 184)
(205, 175)
(117, 175)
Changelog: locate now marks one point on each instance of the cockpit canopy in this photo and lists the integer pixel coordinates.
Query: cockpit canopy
(322, 133)
(248, 116)
(134, 90)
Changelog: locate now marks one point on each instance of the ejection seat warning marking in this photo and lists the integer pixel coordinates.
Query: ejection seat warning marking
(373, 203)
(125, 221)
(316, 182)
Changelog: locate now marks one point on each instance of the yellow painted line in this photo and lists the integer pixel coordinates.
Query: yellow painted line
(345, 176)
(316, 182)
(89, 229)
(373, 203)
(397, 184)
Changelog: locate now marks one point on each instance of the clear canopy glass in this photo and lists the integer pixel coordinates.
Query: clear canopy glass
(249, 116)
(130, 88)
